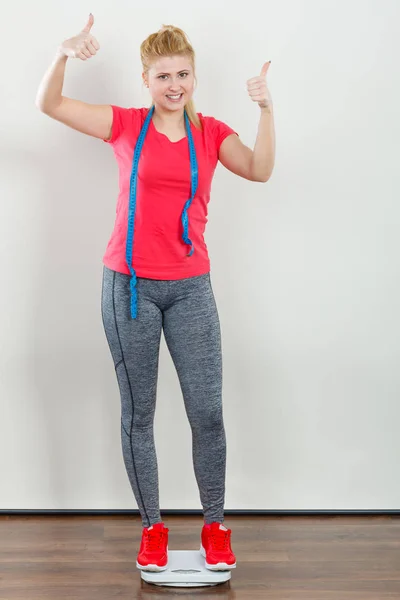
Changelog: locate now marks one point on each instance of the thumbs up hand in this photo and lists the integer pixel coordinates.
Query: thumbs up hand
(84, 45)
(257, 88)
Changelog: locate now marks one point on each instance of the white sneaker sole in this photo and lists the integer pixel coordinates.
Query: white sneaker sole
(151, 567)
(219, 566)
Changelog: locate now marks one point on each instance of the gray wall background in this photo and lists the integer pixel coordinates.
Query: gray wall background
(305, 268)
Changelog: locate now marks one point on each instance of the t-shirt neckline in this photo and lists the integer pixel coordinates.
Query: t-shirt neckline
(165, 136)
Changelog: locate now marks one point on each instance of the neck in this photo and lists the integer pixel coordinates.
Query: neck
(168, 118)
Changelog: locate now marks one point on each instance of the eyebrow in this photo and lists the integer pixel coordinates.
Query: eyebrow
(164, 73)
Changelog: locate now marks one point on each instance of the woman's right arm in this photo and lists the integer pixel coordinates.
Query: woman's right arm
(92, 119)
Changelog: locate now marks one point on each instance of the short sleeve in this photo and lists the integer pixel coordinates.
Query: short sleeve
(121, 119)
(221, 131)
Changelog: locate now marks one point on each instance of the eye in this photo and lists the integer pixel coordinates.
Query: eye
(161, 76)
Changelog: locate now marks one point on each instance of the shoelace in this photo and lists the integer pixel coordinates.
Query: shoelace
(220, 540)
(153, 540)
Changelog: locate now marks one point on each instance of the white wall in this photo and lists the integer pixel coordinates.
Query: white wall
(305, 268)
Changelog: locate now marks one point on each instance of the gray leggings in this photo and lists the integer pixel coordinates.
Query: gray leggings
(186, 310)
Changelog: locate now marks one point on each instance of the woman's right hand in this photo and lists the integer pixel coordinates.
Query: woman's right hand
(84, 45)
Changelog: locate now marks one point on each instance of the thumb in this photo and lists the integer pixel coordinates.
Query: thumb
(265, 68)
(89, 24)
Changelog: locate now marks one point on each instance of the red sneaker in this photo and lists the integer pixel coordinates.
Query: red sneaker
(216, 547)
(153, 553)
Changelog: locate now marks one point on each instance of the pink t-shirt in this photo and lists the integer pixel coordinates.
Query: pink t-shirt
(163, 188)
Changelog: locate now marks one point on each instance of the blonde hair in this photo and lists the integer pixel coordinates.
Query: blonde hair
(169, 41)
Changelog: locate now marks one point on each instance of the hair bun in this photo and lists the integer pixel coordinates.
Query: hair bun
(167, 28)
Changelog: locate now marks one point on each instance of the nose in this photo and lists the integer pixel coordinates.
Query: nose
(175, 85)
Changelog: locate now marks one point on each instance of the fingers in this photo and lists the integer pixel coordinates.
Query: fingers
(258, 85)
(95, 43)
(84, 53)
(255, 80)
(90, 46)
(88, 49)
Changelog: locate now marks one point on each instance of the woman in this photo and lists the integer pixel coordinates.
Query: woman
(155, 276)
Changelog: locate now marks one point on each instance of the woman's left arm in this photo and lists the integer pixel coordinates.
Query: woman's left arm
(263, 158)
(257, 164)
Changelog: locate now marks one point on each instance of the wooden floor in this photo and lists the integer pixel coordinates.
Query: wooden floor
(285, 558)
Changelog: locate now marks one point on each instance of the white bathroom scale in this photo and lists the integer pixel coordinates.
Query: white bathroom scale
(186, 568)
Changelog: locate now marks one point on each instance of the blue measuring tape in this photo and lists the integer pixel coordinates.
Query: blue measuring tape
(132, 201)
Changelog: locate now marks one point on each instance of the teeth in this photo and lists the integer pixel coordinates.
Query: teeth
(175, 97)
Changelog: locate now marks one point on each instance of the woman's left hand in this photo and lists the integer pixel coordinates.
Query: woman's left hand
(257, 88)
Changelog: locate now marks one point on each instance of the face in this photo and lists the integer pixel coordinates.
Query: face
(170, 76)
